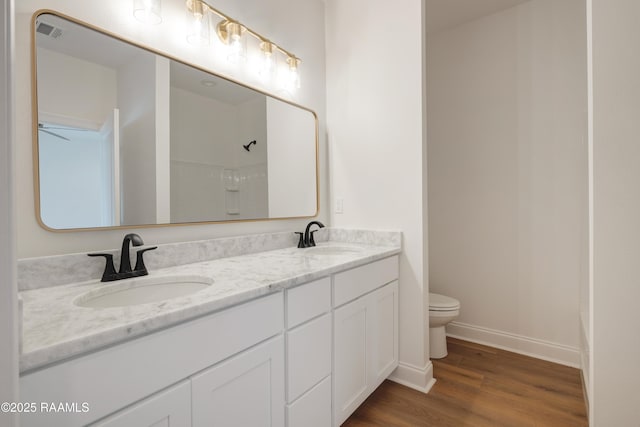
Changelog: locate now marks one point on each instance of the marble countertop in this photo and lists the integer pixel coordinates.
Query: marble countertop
(55, 329)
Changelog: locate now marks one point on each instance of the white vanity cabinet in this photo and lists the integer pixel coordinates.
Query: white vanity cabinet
(365, 333)
(303, 357)
(308, 350)
(125, 381)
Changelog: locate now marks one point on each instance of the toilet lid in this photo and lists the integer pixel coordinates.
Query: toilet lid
(439, 302)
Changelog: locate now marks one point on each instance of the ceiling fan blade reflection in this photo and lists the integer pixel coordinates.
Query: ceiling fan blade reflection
(53, 134)
(63, 128)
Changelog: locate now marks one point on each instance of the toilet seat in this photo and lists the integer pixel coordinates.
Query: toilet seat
(439, 302)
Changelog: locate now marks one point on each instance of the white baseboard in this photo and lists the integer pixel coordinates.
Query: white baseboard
(545, 350)
(420, 379)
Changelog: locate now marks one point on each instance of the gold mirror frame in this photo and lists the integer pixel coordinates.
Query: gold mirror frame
(35, 135)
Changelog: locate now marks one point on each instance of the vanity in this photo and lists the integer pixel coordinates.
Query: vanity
(267, 334)
(284, 337)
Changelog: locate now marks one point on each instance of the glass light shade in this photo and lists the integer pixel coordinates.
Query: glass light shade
(147, 11)
(293, 79)
(197, 23)
(266, 61)
(236, 42)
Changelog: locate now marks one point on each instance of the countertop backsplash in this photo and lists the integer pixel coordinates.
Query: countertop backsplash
(42, 272)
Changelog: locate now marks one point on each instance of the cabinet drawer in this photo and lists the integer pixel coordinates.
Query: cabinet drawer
(351, 284)
(308, 355)
(308, 301)
(313, 409)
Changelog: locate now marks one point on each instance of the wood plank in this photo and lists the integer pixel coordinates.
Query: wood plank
(481, 386)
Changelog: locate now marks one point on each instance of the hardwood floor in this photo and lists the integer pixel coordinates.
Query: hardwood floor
(481, 386)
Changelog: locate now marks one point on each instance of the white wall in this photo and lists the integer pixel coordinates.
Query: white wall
(162, 141)
(507, 175)
(197, 193)
(198, 162)
(586, 289)
(138, 82)
(298, 25)
(195, 145)
(252, 198)
(616, 213)
(290, 167)
(8, 309)
(375, 125)
(69, 90)
(253, 123)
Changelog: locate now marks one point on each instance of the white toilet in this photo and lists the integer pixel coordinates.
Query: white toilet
(442, 310)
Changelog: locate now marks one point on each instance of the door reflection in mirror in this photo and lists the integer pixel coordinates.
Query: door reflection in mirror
(76, 177)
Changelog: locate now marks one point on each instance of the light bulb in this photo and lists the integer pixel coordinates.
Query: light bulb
(147, 11)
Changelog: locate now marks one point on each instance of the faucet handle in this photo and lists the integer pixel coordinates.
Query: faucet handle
(140, 268)
(109, 273)
(312, 242)
(301, 241)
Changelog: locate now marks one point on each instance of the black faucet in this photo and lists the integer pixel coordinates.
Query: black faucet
(125, 270)
(306, 238)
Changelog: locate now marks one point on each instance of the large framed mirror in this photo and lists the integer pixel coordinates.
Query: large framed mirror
(126, 136)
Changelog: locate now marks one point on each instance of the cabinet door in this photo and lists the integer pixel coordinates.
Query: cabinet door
(383, 333)
(308, 356)
(365, 348)
(246, 390)
(169, 408)
(350, 358)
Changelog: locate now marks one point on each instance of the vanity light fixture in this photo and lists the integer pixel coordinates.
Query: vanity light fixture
(147, 11)
(234, 34)
(197, 23)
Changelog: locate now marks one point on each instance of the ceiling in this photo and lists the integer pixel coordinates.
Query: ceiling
(81, 42)
(210, 86)
(443, 14)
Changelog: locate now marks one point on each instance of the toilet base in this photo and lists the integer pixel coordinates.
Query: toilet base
(437, 343)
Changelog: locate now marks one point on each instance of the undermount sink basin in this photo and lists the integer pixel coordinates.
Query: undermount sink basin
(142, 290)
(333, 250)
